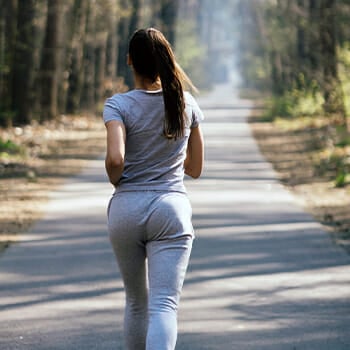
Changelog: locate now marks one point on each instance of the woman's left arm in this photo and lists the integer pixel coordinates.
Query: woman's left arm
(114, 161)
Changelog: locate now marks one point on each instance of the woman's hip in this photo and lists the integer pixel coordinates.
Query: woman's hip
(155, 215)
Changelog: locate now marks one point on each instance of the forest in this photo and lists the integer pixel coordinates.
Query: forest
(64, 56)
(299, 51)
(59, 56)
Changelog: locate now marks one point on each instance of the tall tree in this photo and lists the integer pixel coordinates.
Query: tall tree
(168, 14)
(75, 55)
(23, 63)
(8, 24)
(89, 62)
(314, 48)
(50, 61)
(334, 101)
(112, 43)
(130, 21)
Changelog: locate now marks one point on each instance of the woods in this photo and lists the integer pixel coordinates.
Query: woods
(299, 49)
(297, 54)
(64, 56)
(60, 59)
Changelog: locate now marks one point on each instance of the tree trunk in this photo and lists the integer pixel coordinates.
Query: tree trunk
(67, 20)
(277, 73)
(50, 62)
(128, 25)
(302, 37)
(314, 50)
(112, 51)
(23, 66)
(124, 33)
(88, 93)
(334, 99)
(100, 69)
(76, 57)
(168, 15)
(136, 16)
(8, 23)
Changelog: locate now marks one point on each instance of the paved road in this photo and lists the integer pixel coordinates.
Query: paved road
(263, 274)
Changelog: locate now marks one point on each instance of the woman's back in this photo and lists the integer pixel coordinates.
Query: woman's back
(152, 161)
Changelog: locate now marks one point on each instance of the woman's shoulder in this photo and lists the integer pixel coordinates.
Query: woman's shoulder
(189, 99)
(119, 102)
(121, 99)
(188, 96)
(119, 96)
(192, 108)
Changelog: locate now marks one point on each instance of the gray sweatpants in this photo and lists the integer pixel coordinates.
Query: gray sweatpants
(151, 234)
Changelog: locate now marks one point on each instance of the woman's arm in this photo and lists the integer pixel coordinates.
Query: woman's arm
(195, 153)
(115, 150)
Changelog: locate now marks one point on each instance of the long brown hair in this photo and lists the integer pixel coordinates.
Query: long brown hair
(152, 57)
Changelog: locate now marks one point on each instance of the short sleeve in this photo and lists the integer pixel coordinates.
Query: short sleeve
(195, 112)
(112, 111)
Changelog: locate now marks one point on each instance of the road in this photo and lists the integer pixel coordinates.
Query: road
(263, 274)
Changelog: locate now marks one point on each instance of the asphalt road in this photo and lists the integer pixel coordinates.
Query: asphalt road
(263, 274)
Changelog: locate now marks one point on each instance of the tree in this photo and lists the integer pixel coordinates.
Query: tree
(167, 16)
(23, 63)
(50, 60)
(8, 24)
(75, 55)
(334, 101)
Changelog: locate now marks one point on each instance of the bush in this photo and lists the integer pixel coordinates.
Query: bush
(9, 147)
(304, 99)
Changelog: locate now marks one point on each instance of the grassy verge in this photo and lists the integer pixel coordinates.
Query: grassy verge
(311, 156)
(34, 160)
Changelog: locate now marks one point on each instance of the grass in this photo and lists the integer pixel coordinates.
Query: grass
(311, 155)
(301, 111)
(9, 147)
(34, 160)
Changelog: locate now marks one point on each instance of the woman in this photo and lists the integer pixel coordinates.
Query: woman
(153, 138)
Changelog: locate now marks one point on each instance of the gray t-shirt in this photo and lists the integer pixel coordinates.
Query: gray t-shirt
(152, 162)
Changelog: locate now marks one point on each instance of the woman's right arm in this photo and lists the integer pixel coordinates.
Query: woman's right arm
(114, 161)
(195, 153)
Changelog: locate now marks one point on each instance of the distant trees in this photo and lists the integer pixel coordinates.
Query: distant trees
(61, 56)
(297, 45)
(50, 60)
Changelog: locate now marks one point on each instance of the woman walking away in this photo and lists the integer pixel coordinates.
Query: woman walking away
(153, 138)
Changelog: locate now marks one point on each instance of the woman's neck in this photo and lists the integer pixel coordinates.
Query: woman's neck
(146, 84)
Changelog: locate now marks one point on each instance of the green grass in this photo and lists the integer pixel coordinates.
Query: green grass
(9, 147)
(294, 104)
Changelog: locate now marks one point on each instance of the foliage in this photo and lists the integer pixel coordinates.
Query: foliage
(335, 161)
(190, 54)
(344, 73)
(6, 117)
(61, 57)
(9, 147)
(302, 101)
(341, 178)
(299, 50)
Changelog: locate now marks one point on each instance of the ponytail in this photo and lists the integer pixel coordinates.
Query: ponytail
(153, 57)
